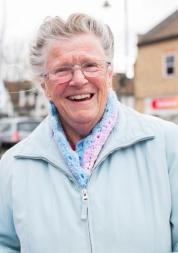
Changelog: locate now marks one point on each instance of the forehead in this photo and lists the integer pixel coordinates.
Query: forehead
(75, 49)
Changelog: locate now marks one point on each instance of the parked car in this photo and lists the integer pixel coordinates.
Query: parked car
(13, 130)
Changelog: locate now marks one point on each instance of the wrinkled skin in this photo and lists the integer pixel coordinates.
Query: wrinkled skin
(78, 118)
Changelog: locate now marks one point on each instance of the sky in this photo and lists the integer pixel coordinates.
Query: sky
(22, 18)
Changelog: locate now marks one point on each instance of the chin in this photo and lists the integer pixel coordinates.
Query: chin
(84, 120)
(86, 117)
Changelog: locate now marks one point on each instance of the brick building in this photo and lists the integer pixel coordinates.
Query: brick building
(156, 70)
(124, 88)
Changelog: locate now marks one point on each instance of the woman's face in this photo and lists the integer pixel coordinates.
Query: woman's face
(81, 101)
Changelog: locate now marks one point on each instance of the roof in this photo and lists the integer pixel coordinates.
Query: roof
(165, 30)
(14, 89)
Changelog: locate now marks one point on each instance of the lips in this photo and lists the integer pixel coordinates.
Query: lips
(80, 97)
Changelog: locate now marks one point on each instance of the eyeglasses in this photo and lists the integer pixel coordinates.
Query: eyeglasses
(90, 69)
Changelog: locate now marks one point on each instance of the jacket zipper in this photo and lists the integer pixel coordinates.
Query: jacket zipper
(84, 211)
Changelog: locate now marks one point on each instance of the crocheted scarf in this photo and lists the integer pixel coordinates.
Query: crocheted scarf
(81, 160)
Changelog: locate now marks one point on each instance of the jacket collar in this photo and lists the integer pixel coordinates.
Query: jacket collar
(130, 129)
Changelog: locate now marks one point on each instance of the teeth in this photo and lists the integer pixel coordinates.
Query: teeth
(78, 97)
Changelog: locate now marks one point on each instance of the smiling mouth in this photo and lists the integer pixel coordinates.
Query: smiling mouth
(81, 97)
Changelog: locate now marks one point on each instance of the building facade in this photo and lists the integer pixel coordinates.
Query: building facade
(26, 99)
(156, 70)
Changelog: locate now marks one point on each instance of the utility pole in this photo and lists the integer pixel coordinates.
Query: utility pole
(126, 35)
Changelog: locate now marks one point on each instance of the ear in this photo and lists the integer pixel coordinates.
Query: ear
(45, 89)
(43, 85)
(109, 76)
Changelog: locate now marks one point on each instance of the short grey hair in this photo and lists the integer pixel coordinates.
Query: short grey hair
(56, 28)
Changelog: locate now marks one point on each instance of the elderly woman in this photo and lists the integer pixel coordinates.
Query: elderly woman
(95, 176)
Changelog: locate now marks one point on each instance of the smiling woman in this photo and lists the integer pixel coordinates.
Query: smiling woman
(94, 176)
(79, 91)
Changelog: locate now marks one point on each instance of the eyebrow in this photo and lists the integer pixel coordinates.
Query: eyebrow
(81, 61)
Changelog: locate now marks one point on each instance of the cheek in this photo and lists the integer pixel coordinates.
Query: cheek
(103, 87)
(99, 83)
(56, 91)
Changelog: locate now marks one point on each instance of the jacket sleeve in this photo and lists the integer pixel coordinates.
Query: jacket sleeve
(9, 242)
(172, 158)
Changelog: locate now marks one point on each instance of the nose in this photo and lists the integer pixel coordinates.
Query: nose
(78, 78)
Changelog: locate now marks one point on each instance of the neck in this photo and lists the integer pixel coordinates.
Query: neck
(77, 132)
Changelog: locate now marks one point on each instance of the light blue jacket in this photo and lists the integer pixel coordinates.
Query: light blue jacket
(129, 206)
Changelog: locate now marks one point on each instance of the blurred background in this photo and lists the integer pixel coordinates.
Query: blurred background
(145, 63)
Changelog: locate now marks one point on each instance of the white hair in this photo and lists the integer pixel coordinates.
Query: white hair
(55, 28)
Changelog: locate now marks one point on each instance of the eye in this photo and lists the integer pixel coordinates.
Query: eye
(62, 71)
(91, 66)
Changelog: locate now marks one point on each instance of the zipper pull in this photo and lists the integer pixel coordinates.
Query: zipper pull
(84, 212)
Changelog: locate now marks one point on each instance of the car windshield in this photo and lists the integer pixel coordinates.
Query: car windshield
(27, 126)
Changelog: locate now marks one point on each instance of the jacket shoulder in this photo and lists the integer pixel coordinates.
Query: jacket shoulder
(31, 142)
(155, 124)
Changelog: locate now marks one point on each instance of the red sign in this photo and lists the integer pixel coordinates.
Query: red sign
(165, 103)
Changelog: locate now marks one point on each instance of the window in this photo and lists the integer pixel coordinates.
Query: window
(5, 127)
(169, 65)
